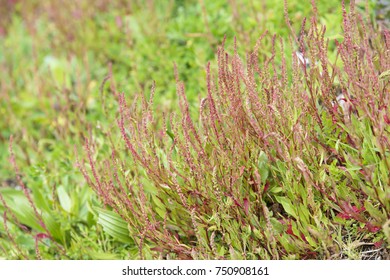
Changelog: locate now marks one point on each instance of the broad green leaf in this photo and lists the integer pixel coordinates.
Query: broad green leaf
(114, 225)
(103, 256)
(276, 190)
(374, 212)
(160, 209)
(386, 230)
(2, 229)
(263, 166)
(287, 205)
(303, 212)
(170, 134)
(26, 241)
(149, 186)
(335, 37)
(39, 200)
(64, 199)
(54, 227)
(385, 75)
(21, 208)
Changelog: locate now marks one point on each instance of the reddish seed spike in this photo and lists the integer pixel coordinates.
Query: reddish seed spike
(314, 8)
(288, 22)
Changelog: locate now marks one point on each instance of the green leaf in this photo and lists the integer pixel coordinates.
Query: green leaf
(287, 205)
(114, 225)
(335, 36)
(374, 212)
(384, 75)
(54, 227)
(386, 230)
(64, 198)
(21, 207)
(276, 190)
(263, 166)
(103, 256)
(148, 186)
(26, 241)
(160, 209)
(170, 134)
(304, 214)
(40, 200)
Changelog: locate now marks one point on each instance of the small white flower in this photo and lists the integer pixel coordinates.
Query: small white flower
(303, 60)
(343, 103)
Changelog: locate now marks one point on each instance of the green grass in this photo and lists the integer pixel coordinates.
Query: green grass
(61, 68)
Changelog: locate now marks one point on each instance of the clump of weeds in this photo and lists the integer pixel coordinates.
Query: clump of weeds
(284, 160)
